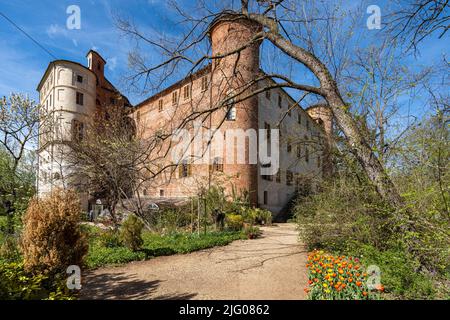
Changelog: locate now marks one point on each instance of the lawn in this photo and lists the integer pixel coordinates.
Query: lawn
(104, 249)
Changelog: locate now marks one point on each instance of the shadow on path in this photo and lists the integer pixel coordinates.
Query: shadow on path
(122, 286)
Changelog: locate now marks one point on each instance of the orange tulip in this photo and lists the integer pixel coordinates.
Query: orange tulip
(358, 283)
(364, 293)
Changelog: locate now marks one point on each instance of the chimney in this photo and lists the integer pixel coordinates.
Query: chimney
(96, 64)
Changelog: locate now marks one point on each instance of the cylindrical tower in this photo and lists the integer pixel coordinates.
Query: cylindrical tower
(235, 64)
(67, 95)
(322, 114)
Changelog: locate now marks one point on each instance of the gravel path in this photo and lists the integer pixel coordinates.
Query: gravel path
(271, 267)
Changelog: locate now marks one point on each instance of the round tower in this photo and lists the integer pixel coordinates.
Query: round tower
(67, 95)
(231, 71)
(323, 115)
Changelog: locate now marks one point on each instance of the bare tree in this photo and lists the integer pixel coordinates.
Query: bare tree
(416, 20)
(272, 17)
(377, 86)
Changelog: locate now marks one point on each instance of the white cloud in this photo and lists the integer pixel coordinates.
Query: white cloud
(55, 30)
(111, 63)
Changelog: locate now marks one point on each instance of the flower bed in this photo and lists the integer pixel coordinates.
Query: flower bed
(337, 278)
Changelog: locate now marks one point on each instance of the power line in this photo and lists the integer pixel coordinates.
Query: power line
(30, 37)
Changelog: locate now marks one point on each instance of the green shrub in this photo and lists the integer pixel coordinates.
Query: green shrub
(17, 284)
(399, 272)
(234, 222)
(131, 233)
(110, 239)
(169, 220)
(9, 249)
(252, 232)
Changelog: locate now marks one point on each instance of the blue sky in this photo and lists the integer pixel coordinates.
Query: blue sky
(22, 63)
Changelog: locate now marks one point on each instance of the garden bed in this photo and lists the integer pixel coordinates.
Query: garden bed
(104, 252)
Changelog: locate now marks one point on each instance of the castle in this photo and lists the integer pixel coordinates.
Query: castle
(73, 93)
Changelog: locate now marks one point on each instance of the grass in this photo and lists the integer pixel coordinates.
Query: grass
(154, 245)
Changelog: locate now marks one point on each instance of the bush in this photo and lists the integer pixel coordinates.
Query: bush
(52, 239)
(17, 284)
(9, 250)
(257, 216)
(234, 222)
(131, 233)
(349, 218)
(169, 220)
(110, 239)
(252, 232)
(399, 272)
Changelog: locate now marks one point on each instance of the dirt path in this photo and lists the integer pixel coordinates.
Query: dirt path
(271, 267)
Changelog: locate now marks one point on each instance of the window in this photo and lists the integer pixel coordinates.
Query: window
(307, 124)
(290, 111)
(77, 130)
(319, 161)
(267, 128)
(288, 146)
(138, 116)
(56, 176)
(299, 150)
(231, 113)
(265, 197)
(185, 169)
(60, 94)
(160, 105)
(299, 119)
(204, 83)
(306, 154)
(99, 66)
(187, 92)
(97, 102)
(280, 101)
(79, 79)
(80, 98)
(161, 192)
(50, 100)
(112, 101)
(217, 165)
(289, 178)
(268, 94)
(174, 98)
(144, 192)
